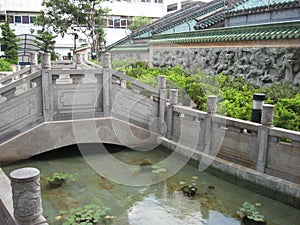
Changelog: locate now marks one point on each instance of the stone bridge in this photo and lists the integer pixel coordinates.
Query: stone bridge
(48, 106)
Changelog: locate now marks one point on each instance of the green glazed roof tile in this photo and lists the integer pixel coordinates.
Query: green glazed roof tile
(287, 30)
(247, 5)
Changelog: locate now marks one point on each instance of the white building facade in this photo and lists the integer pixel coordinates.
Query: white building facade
(23, 12)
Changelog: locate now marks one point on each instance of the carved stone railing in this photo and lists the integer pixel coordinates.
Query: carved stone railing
(15, 76)
(63, 94)
(261, 147)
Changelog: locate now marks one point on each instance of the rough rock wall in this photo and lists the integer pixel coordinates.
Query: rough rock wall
(258, 65)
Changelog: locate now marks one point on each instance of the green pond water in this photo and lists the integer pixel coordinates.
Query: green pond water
(163, 203)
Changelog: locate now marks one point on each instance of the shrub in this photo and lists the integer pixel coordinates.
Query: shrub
(235, 95)
(5, 65)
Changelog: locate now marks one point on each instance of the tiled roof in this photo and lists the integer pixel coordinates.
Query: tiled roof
(181, 16)
(191, 14)
(215, 19)
(288, 30)
(250, 5)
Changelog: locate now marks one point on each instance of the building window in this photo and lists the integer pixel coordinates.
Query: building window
(11, 18)
(32, 19)
(145, 0)
(18, 19)
(123, 23)
(2, 18)
(158, 1)
(110, 23)
(25, 19)
(117, 23)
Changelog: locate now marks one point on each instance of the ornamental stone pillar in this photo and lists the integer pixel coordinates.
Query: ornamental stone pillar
(267, 114)
(107, 60)
(26, 194)
(173, 93)
(46, 60)
(211, 107)
(173, 96)
(162, 85)
(33, 59)
(79, 58)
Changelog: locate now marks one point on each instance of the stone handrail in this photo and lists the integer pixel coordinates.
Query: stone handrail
(91, 64)
(11, 87)
(63, 64)
(137, 86)
(15, 76)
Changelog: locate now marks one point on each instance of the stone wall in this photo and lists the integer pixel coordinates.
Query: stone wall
(260, 66)
(125, 55)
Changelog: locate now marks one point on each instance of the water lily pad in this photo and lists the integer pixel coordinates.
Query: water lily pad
(155, 167)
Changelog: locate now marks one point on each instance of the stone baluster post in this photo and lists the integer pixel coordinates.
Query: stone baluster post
(47, 91)
(18, 67)
(122, 81)
(211, 106)
(26, 193)
(173, 93)
(78, 58)
(33, 62)
(211, 109)
(267, 114)
(60, 58)
(33, 59)
(263, 136)
(107, 79)
(46, 60)
(162, 85)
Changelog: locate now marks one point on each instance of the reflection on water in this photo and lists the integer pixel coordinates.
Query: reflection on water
(177, 210)
(215, 203)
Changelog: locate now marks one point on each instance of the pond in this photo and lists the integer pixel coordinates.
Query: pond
(162, 203)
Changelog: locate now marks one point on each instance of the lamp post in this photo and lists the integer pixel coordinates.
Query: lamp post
(75, 38)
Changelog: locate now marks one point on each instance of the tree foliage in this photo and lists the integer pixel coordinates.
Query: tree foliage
(139, 21)
(10, 42)
(45, 41)
(70, 16)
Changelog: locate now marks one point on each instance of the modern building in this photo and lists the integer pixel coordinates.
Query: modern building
(23, 12)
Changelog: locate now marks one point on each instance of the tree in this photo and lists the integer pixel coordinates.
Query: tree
(70, 16)
(45, 41)
(10, 43)
(139, 21)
